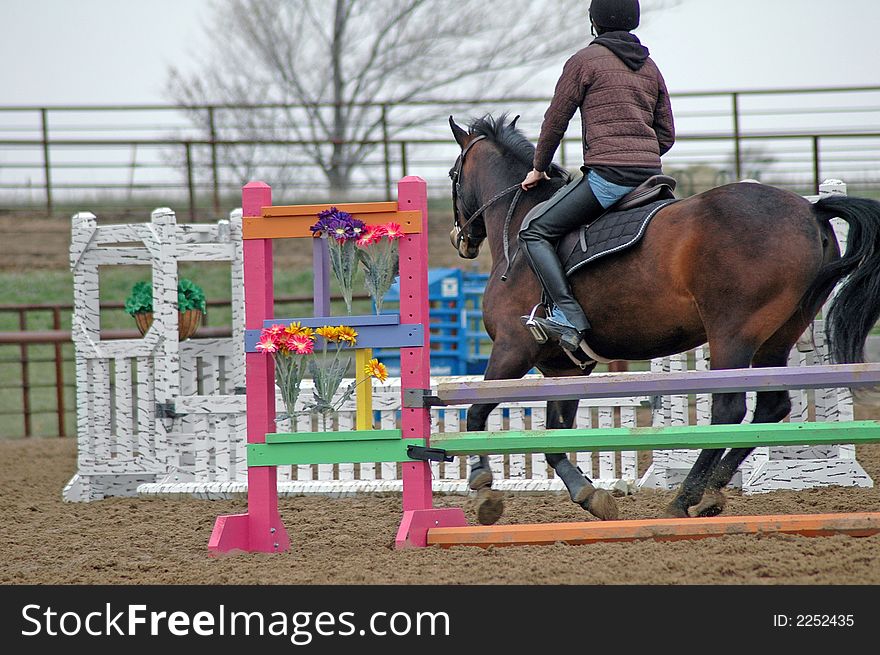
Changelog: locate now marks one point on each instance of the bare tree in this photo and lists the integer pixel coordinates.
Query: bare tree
(340, 64)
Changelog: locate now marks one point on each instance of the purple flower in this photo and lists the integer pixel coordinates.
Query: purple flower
(340, 225)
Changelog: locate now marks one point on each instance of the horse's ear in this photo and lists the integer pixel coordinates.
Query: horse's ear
(513, 122)
(461, 136)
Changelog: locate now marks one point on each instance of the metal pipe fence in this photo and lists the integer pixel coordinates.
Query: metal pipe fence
(200, 155)
(37, 380)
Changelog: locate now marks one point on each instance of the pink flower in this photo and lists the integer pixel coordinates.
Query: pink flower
(393, 231)
(267, 343)
(301, 344)
(276, 330)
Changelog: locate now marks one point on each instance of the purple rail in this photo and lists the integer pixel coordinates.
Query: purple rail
(653, 384)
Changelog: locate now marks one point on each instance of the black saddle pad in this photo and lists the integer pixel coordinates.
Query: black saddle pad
(610, 233)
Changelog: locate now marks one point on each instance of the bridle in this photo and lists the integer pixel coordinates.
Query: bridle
(458, 229)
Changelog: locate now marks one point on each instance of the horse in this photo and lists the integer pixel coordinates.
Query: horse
(744, 267)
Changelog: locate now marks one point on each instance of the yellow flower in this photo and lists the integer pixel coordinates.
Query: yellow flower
(329, 332)
(297, 329)
(376, 369)
(346, 334)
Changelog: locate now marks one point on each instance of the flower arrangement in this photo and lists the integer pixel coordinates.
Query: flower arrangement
(342, 231)
(378, 252)
(293, 348)
(351, 240)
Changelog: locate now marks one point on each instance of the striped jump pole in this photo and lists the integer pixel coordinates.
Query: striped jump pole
(649, 438)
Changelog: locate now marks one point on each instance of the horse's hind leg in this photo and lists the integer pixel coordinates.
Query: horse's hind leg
(600, 503)
(727, 408)
(770, 407)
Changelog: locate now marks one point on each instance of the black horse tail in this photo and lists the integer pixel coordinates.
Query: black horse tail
(856, 307)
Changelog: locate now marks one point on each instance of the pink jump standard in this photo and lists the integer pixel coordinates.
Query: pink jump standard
(261, 529)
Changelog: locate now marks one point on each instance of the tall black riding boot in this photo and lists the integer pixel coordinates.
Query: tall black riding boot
(544, 261)
(569, 208)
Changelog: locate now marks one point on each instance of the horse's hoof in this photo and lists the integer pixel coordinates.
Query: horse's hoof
(490, 506)
(480, 478)
(601, 504)
(580, 495)
(675, 511)
(712, 503)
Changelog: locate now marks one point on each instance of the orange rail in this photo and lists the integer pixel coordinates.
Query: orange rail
(294, 221)
(810, 525)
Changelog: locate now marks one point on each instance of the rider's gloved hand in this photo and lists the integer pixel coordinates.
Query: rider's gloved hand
(533, 178)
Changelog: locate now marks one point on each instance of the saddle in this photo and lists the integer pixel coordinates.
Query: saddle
(656, 187)
(619, 227)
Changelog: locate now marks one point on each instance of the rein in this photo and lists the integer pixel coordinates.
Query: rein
(460, 228)
(506, 237)
(489, 203)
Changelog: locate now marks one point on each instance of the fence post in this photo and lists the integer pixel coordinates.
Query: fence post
(25, 376)
(404, 166)
(387, 152)
(189, 181)
(737, 152)
(44, 121)
(816, 179)
(59, 374)
(214, 175)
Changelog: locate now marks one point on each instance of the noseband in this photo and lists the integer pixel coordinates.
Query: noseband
(459, 228)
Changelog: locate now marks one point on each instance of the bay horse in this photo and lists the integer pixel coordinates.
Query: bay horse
(745, 267)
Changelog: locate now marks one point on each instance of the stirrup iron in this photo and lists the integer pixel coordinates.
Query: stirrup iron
(538, 332)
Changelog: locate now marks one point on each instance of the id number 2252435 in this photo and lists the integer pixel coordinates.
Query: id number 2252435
(813, 620)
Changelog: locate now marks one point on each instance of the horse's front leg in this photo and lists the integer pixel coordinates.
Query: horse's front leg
(490, 503)
(480, 476)
(600, 503)
(508, 361)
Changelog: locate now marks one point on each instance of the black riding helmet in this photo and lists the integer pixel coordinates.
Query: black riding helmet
(613, 15)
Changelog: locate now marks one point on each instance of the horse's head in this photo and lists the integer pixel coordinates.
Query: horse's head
(468, 226)
(495, 157)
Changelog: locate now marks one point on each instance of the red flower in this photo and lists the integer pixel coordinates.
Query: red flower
(393, 231)
(369, 237)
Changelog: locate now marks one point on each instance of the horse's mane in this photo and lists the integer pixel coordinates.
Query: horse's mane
(511, 140)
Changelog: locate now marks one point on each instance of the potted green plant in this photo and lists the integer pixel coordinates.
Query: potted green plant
(190, 304)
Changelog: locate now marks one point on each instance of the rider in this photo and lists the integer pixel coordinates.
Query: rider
(626, 121)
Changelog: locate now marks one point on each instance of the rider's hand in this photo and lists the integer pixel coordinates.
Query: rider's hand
(533, 178)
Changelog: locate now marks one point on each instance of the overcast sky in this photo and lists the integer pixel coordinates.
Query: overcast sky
(118, 51)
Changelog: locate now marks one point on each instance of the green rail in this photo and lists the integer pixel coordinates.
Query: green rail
(355, 446)
(660, 438)
(359, 446)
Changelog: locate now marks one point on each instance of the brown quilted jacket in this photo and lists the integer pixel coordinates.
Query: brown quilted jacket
(626, 117)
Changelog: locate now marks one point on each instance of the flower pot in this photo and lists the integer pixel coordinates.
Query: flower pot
(187, 322)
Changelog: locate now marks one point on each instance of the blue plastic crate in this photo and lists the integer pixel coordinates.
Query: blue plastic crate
(457, 338)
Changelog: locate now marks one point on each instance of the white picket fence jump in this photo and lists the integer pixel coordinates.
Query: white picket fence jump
(157, 417)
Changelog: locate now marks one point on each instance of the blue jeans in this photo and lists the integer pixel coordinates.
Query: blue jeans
(607, 193)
